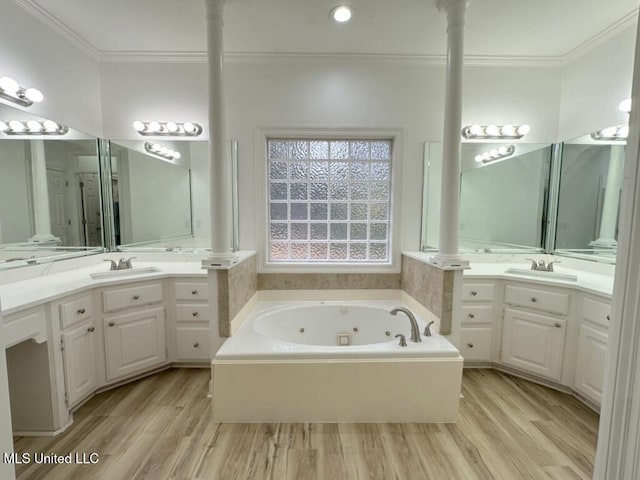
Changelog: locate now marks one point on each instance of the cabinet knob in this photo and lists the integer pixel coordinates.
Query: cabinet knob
(558, 325)
(534, 299)
(81, 311)
(111, 324)
(471, 315)
(194, 292)
(196, 345)
(470, 345)
(474, 293)
(136, 297)
(608, 318)
(195, 314)
(91, 329)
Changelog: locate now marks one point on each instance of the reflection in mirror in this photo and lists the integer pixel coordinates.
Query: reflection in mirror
(589, 200)
(50, 204)
(502, 200)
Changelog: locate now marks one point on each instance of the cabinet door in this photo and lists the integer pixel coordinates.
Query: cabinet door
(475, 343)
(592, 353)
(79, 361)
(533, 342)
(192, 343)
(134, 342)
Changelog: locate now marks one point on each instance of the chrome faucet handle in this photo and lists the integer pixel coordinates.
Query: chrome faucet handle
(113, 264)
(403, 340)
(127, 262)
(122, 264)
(534, 264)
(550, 265)
(427, 329)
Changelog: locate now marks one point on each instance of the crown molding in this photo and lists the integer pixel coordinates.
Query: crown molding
(601, 37)
(36, 11)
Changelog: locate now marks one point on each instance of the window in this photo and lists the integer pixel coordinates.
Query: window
(329, 200)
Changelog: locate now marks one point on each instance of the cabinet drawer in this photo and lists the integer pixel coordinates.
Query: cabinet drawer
(477, 314)
(191, 290)
(133, 296)
(596, 311)
(192, 343)
(537, 299)
(75, 311)
(192, 312)
(477, 291)
(475, 343)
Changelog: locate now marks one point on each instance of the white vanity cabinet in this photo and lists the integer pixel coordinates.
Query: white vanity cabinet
(134, 337)
(477, 321)
(592, 347)
(191, 315)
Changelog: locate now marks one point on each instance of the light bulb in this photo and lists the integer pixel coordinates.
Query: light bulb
(172, 127)
(493, 152)
(478, 158)
(189, 127)
(341, 14)
(16, 126)
(492, 131)
(50, 126)
(138, 125)
(523, 129)
(625, 105)
(154, 127)
(609, 132)
(508, 130)
(486, 156)
(9, 85)
(623, 132)
(177, 155)
(3, 127)
(34, 95)
(475, 129)
(34, 126)
(503, 150)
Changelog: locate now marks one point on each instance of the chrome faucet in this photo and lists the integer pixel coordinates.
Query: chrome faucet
(121, 265)
(540, 265)
(415, 331)
(427, 329)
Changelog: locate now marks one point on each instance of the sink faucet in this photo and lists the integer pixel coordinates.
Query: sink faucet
(124, 264)
(540, 265)
(415, 331)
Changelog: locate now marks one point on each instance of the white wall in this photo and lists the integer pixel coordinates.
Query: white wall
(15, 213)
(36, 56)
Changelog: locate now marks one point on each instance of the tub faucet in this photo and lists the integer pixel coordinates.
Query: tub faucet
(427, 329)
(415, 331)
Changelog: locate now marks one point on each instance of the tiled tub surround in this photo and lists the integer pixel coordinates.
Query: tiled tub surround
(236, 286)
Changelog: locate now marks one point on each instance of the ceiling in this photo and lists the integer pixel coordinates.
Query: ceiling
(500, 28)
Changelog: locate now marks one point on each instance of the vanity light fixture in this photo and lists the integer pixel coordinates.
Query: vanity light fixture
(167, 129)
(341, 13)
(625, 105)
(160, 151)
(620, 132)
(12, 91)
(495, 154)
(33, 127)
(481, 132)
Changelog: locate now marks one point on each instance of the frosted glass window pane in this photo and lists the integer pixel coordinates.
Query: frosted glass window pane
(338, 231)
(339, 191)
(279, 251)
(299, 149)
(378, 251)
(299, 211)
(358, 251)
(299, 251)
(299, 231)
(380, 171)
(378, 231)
(338, 251)
(359, 191)
(319, 170)
(360, 150)
(319, 251)
(319, 150)
(278, 171)
(298, 191)
(358, 211)
(338, 211)
(278, 191)
(379, 211)
(319, 191)
(319, 211)
(298, 170)
(339, 171)
(381, 150)
(278, 211)
(380, 191)
(339, 150)
(360, 171)
(358, 231)
(278, 149)
(318, 231)
(279, 231)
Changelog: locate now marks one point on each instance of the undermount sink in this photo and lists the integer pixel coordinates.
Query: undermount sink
(124, 272)
(543, 274)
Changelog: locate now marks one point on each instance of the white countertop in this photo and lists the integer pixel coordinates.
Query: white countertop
(20, 295)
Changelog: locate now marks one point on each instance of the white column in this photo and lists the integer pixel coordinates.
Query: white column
(447, 255)
(609, 218)
(220, 170)
(41, 212)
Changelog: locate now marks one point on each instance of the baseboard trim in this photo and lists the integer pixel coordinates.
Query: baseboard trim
(43, 433)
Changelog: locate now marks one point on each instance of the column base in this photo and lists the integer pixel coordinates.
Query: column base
(44, 239)
(220, 260)
(449, 261)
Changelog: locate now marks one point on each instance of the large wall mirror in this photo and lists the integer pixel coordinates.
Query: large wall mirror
(50, 206)
(503, 201)
(589, 197)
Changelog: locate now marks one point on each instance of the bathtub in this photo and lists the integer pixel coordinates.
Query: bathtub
(334, 361)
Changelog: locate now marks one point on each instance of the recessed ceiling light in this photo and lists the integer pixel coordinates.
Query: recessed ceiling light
(341, 14)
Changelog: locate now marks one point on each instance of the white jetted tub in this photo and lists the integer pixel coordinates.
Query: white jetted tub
(334, 361)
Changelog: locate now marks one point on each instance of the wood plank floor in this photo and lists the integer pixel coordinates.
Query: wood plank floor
(160, 428)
